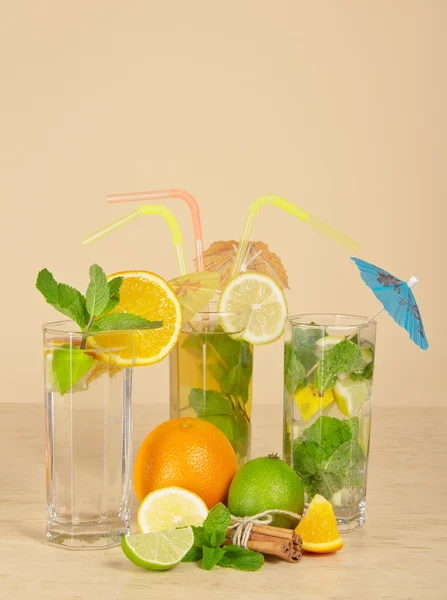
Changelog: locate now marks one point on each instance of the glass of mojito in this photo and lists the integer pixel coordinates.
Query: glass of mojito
(88, 435)
(211, 376)
(328, 374)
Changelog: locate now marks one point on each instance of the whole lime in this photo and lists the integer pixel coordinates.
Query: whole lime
(264, 484)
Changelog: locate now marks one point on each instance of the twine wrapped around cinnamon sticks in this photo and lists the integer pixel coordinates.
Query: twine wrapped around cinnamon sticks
(256, 533)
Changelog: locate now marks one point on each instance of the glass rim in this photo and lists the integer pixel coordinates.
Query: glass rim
(56, 327)
(362, 323)
(213, 316)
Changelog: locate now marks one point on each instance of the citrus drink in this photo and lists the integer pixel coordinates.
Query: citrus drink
(211, 378)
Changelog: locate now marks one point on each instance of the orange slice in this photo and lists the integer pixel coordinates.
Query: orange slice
(150, 296)
(318, 528)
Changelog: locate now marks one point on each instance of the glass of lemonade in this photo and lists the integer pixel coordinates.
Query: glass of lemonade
(211, 376)
(328, 374)
(88, 436)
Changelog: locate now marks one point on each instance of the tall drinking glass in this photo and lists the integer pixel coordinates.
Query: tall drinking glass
(211, 376)
(328, 373)
(88, 436)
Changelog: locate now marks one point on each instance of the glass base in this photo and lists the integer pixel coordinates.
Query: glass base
(350, 518)
(87, 536)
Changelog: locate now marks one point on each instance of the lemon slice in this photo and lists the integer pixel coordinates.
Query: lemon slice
(309, 402)
(266, 302)
(160, 550)
(170, 507)
(350, 395)
(150, 296)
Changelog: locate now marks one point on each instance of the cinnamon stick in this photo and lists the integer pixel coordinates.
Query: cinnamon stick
(275, 532)
(280, 547)
(279, 532)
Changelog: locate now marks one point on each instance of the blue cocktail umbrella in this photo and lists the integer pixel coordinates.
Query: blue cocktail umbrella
(397, 299)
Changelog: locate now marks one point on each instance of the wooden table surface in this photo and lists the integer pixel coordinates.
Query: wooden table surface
(400, 553)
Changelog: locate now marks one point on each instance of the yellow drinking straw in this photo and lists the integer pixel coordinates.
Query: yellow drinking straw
(291, 209)
(149, 209)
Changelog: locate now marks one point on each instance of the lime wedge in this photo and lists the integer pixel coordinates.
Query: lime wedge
(160, 550)
(350, 395)
(367, 355)
(309, 401)
(170, 507)
(324, 344)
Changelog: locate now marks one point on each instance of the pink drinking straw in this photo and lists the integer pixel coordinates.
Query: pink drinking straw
(164, 195)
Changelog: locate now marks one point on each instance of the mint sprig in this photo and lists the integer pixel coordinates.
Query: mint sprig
(91, 313)
(208, 541)
(329, 457)
(345, 357)
(231, 365)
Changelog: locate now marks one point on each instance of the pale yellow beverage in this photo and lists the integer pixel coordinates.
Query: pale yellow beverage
(211, 378)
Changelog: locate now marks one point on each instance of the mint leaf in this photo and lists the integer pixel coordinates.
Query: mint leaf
(236, 557)
(329, 433)
(123, 321)
(367, 373)
(216, 524)
(114, 294)
(63, 298)
(329, 457)
(70, 364)
(97, 295)
(196, 552)
(294, 370)
(345, 357)
(47, 286)
(224, 423)
(237, 383)
(209, 403)
(211, 556)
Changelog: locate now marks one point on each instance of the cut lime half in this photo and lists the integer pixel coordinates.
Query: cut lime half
(350, 395)
(160, 550)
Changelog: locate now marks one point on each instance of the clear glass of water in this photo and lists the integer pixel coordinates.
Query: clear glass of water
(88, 394)
(328, 375)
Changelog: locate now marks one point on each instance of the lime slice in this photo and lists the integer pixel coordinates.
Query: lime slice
(170, 507)
(309, 401)
(266, 302)
(367, 355)
(350, 395)
(160, 550)
(324, 344)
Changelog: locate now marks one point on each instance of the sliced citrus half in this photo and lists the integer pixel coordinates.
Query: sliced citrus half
(170, 507)
(160, 550)
(263, 302)
(318, 528)
(150, 296)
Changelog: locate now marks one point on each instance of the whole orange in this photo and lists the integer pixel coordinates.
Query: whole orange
(189, 453)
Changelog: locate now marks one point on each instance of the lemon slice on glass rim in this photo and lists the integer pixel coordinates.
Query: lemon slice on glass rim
(263, 301)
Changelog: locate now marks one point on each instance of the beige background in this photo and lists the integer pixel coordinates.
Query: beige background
(339, 106)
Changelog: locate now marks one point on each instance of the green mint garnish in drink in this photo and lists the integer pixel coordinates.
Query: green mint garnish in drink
(208, 540)
(229, 363)
(345, 357)
(328, 456)
(91, 314)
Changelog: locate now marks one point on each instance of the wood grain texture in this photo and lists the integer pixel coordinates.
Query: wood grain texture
(400, 553)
